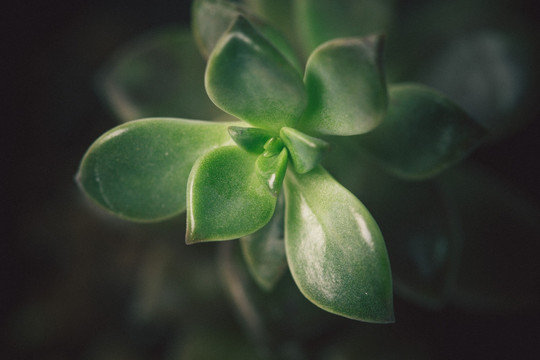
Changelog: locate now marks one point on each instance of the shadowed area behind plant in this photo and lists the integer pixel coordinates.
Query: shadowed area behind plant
(81, 285)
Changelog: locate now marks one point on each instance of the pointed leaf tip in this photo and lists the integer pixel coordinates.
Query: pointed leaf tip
(139, 170)
(226, 198)
(249, 78)
(306, 151)
(346, 87)
(271, 168)
(335, 250)
(250, 139)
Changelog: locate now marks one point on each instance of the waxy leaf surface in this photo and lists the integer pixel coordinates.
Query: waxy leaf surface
(226, 197)
(417, 219)
(422, 133)
(335, 250)
(249, 138)
(139, 170)
(249, 78)
(272, 168)
(346, 87)
(306, 151)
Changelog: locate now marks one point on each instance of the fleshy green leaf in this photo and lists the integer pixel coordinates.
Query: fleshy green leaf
(417, 219)
(226, 197)
(250, 139)
(346, 87)
(139, 170)
(322, 20)
(249, 78)
(335, 249)
(264, 251)
(306, 151)
(273, 146)
(158, 75)
(272, 167)
(422, 133)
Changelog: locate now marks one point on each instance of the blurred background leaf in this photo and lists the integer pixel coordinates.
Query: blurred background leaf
(77, 284)
(481, 56)
(159, 74)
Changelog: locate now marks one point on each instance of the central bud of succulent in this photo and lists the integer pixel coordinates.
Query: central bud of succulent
(274, 151)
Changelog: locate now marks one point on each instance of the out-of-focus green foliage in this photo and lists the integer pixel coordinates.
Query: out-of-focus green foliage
(435, 238)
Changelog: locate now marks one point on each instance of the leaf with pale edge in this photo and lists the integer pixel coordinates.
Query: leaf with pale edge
(139, 170)
(335, 250)
(226, 197)
(246, 76)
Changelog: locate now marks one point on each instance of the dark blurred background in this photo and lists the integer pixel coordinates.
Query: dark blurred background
(76, 284)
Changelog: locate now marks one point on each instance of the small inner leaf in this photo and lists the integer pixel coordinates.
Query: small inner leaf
(226, 197)
(306, 151)
(272, 169)
(273, 146)
(249, 138)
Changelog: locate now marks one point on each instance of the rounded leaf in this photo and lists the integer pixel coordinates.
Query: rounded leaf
(272, 168)
(139, 170)
(249, 78)
(346, 87)
(335, 250)
(226, 197)
(422, 133)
